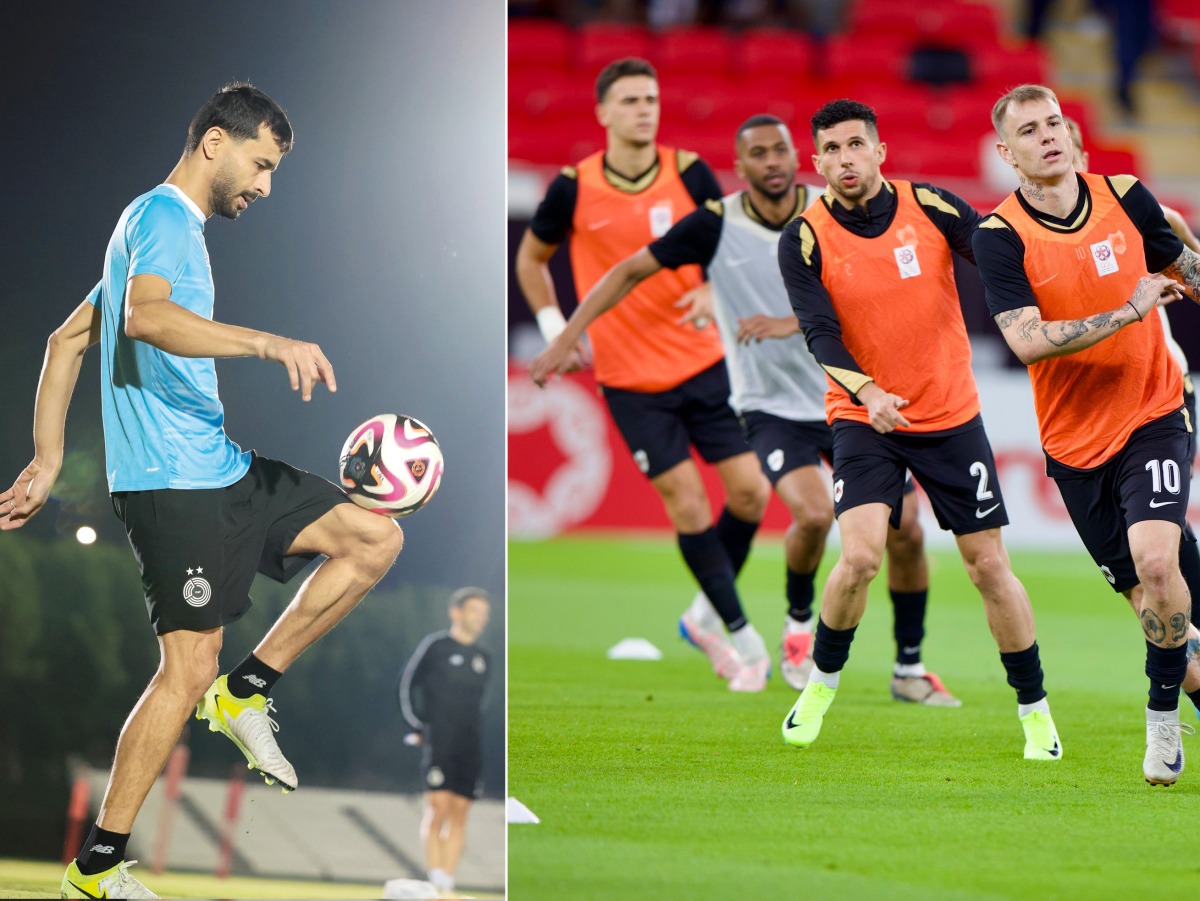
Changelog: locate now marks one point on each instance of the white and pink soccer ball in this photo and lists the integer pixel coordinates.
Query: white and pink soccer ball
(391, 465)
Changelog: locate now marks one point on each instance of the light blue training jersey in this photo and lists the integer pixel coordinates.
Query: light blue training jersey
(164, 426)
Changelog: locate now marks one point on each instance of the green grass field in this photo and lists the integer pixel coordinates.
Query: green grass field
(40, 879)
(654, 781)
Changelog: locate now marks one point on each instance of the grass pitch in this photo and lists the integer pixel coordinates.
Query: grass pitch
(654, 781)
(41, 879)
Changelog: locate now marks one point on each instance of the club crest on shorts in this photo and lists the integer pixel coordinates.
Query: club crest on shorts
(642, 459)
(838, 487)
(1108, 574)
(775, 460)
(436, 777)
(196, 591)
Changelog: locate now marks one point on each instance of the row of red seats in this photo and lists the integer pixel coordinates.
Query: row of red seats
(542, 44)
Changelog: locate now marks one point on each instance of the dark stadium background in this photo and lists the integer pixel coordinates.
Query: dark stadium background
(382, 241)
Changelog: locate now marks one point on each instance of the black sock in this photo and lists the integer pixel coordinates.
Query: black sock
(251, 677)
(1189, 565)
(1024, 670)
(908, 608)
(831, 649)
(800, 592)
(1165, 667)
(706, 557)
(736, 535)
(101, 850)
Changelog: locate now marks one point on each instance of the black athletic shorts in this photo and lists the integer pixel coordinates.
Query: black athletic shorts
(786, 444)
(956, 469)
(198, 549)
(455, 769)
(1150, 479)
(658, 426)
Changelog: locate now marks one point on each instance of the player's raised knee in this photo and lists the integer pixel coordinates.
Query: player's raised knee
(1156, 567)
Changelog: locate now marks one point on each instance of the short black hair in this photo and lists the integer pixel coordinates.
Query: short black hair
(460, 597)
(758, 121)
(835, 112)
(621, 68)
(240, 108)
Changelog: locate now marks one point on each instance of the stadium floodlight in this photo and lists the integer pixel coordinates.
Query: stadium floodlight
(85, 535)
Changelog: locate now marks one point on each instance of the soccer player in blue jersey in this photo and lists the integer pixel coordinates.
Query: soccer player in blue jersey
(202, 515)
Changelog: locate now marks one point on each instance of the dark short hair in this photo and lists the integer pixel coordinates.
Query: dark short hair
(835, 112)
(460, 597)
(240, 109)
(621, 68)
(758, 121)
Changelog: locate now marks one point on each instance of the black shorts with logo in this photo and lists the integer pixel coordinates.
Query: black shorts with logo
(956, 468)
(783, 445)
(198, 549)
(452, 767)
(1149, 479)
(658, 426)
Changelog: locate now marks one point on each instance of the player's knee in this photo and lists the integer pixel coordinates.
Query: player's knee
(377, 545)
(689, 511)
(748, 499)
(860, 565)
(812, 521)
(1157, 568)
(907, 542)
(988, 570)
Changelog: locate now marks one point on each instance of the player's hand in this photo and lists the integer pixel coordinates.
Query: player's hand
(883, 408)
(414, 740)
(1154, 289)
(305, 363)
(698, 304)
(28, 493)
(557, 358)
(760, 326)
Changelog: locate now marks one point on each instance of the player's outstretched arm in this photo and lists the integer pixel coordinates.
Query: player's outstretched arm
(533, 275)
(60, 371)
(152, 317)
(1032, 340)
(605, 295)
(1186, 271)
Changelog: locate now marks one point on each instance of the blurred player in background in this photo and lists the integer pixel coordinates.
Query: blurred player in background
(664, 381)
(1066, 263)
(778, 388)
(441, 693)
(869, 271)
(202, 515)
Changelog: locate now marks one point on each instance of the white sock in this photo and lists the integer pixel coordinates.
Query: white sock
(792, 625)
(1025, 709)
(1162, 716)
(908, 670)
(436, 875)
(702, 612)
(748, 643)
(830, 679)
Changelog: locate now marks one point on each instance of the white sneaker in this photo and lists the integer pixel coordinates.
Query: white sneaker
(114, 882)
(795, 659)
(755, 661)
(1164, 746)
(703, 629)
(248, 724)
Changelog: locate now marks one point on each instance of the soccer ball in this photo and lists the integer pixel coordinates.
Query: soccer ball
(391, 465)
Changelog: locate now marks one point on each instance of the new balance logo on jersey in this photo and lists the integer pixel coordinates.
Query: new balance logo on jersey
(255, 680)
(102, 849)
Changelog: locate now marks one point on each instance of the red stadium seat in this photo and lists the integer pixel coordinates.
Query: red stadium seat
(905, 20)
(693, 50)
(600, 43)
(1112, 159)
(875, 57)
(538, 43)
(768, 50)
(1003, 69)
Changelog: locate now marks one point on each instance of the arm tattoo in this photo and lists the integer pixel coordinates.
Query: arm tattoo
(1029, 326)
(1186, 271)
(1154, 628)
(1104, 319)
(1066, 332)
(1007, 318)
(1179, 626)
